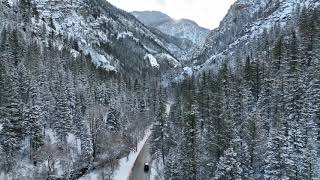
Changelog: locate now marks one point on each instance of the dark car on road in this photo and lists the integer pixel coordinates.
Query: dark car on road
(146, 167)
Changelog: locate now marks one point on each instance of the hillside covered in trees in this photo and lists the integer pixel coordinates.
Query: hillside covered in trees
(80, 82)
(61, 113)
(254, 117)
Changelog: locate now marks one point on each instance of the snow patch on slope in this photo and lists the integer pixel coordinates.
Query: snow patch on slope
(51, 136)
(124, 35)
(172, 61)
(75, 144)
(91, 176)
(74, 53)
(152, 59)
(100, 60)
(168, 107)
(188, 71)
(12, 2)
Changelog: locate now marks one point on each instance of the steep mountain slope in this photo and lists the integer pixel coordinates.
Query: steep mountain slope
(245, 22)
(105, 32)
(184, 28)
(251, 110)
(81, 80)
(79, 84)
(151, 18)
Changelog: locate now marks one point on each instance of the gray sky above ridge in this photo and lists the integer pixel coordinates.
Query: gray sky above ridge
(207, 13)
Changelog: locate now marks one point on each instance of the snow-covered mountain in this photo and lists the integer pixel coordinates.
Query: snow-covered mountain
(151, 18)
(245, 23)
(255, 88)
(102, 30)
(182, 28)
(90, 75)
(80, 81)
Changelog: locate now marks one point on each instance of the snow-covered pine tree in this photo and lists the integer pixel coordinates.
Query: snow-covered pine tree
(159, 145)
(34, 124)
(189, 143)
(293, 99)
(274, 167)
(11, 132)
(62, 123)
(10, 109)
(229, 167)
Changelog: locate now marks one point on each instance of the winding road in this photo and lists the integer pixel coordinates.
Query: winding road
(137, 172)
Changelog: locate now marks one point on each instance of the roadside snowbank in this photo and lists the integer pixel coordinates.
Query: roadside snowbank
(157, 170)
(126, 163)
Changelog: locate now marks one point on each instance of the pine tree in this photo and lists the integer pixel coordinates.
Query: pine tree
(265, 104)
(189, 164)
(87, 151)
(160, 132)
(172, 166)
(11, 132)
(228, 167)
(34, 124)
(189, 132)
(112, 120)
(218, 132)
(274, 162)
(62, 122)
(46, 97)
(25, 6)
(293, 98)
(203, 98)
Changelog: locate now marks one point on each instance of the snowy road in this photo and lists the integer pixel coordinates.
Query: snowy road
(137, 172)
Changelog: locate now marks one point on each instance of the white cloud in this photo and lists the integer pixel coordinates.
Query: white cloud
(207, 13)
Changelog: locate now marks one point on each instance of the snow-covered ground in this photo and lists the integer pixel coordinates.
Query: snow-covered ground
(152, 59)
(92, 176)
(168, 107)
(100, 60)
(125, 163)
(157, 170)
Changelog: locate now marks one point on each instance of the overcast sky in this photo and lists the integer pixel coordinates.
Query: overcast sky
(207, 13)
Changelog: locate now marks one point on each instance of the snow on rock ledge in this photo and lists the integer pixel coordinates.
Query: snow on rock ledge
(188, 71)
(153, 60)
(123, 35)
(100, 60)
(171, 60)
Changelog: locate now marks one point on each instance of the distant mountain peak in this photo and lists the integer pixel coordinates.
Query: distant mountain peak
(187, 21)
(151, 17)
(182, 28)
